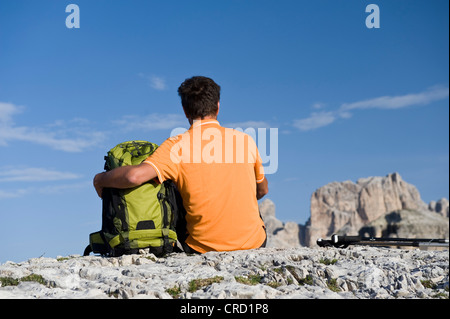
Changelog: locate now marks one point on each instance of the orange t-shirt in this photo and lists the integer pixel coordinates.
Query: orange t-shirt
(216, 170)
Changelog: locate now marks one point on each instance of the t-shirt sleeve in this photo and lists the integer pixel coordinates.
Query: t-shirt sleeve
(164, 160)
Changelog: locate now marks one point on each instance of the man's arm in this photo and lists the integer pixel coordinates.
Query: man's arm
(124, 177)
(262, 188)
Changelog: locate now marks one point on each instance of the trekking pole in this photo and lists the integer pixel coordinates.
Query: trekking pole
(345, 241)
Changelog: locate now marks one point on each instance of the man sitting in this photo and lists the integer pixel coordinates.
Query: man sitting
(218, 172)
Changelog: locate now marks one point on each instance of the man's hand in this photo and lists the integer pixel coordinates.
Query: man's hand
(262, 189)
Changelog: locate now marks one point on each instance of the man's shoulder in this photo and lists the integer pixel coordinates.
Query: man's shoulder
(176, 138)
(238, 132)
(242, 135)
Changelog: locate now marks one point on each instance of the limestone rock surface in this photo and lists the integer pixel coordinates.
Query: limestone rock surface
(267, 273)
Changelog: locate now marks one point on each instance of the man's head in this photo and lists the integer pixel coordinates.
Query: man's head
(200, 97)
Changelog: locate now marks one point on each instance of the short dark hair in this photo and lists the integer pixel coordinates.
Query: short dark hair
(199, 97)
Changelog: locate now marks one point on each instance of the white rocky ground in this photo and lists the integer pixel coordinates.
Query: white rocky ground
(353, 273)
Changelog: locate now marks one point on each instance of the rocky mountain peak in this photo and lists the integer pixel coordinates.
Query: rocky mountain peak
(346, 207)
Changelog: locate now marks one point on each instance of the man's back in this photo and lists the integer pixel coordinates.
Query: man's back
(216, 170)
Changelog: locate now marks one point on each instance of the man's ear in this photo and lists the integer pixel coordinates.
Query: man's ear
(218, 108)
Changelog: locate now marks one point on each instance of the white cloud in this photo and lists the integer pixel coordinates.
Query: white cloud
(65, 188)
(158, 83)
(50, 139)
(155, 82)
(7, 110)
(318, 106)
(151, 122)
(13, 193)
(248, 124)
(397, 102)
(315, 121)
(75, 137)
(324, 118)
(47, 190)
(31, 174)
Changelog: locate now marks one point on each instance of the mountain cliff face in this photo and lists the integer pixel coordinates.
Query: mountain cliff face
(377, 206)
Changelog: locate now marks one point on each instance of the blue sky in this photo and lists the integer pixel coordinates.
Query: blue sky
(348, 101)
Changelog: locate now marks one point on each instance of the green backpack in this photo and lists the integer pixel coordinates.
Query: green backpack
(140, 217)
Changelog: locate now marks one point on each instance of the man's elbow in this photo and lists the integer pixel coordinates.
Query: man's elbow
(134, 178)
